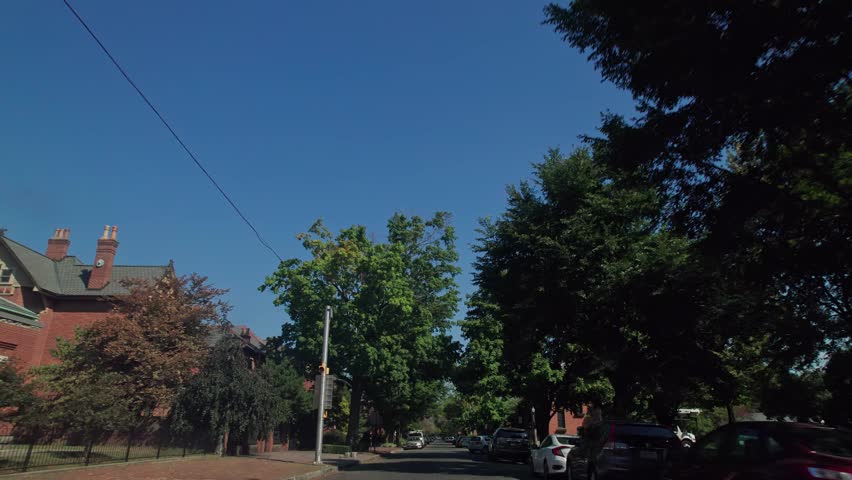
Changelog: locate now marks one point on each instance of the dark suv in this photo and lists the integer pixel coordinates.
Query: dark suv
(625, 450)
(510, 443)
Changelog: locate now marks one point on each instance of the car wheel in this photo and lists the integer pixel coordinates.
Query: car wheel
(544, 473)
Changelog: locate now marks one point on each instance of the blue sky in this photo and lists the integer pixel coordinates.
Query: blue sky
(348, 111)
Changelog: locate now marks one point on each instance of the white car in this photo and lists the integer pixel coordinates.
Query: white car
(550, 457)
(414, 442)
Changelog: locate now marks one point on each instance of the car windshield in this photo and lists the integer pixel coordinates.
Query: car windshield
(827, 441)
(511, 434)
(413, 439)
(566, 440)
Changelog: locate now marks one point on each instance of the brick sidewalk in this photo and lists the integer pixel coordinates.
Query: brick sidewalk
(202, 468)
(307, 457)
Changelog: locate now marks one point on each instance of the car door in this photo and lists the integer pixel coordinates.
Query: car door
(748, 458)
(539, 454)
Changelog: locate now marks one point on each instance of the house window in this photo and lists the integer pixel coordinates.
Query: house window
(5, 275)
(560, 419)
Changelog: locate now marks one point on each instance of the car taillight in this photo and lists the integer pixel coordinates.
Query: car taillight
(828, 473)
(560, 451)
(611, 444)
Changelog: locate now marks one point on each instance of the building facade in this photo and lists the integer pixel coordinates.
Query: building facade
(45, 296)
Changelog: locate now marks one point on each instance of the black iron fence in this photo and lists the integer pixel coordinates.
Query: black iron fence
(21, 456)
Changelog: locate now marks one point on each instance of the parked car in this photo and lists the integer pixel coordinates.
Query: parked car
(477, 445)
(414, 441)
(776, 450)
(511, 443)
(610, 449)
(450, 439)
(551, 456)
(463, 442)
(687, 439)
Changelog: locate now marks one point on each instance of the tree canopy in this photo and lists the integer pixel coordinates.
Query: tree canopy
(392, 304)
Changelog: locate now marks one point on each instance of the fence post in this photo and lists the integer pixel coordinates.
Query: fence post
(29, 456)
(89, 451)
(129, 440)
(184, 448)
(159, 443)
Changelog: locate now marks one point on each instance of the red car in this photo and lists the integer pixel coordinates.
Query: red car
(768, 450)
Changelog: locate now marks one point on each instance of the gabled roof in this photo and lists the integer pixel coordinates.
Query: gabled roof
(70, 276)
(10, 311)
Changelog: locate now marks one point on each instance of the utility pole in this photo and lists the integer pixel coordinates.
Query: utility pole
(321, 386)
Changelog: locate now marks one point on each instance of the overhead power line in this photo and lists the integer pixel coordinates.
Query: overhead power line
(172, 131)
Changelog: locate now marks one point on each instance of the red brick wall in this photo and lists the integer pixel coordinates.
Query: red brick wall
(571, 423)
(63, 318)
(23, 338)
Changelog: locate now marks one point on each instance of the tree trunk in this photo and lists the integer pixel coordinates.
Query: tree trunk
(352, 432)
(731, 417)
(543, 414)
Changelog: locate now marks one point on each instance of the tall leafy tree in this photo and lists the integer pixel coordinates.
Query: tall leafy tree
(392, 306)
(744, 130)
(598, 300)
(480, 377)
(226, 395)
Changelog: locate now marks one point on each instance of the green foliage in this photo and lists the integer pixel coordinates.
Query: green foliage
(287, 387)
(89, 403)
(392, 306)
(226, 395)
(336, 449)
(593, 295)
(16, 394)
(334, 437)
(752, 161)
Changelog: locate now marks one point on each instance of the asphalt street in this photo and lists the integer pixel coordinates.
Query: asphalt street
(439, 460)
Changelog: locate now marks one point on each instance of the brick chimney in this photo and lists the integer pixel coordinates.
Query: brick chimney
(57, 246)
(104, 258)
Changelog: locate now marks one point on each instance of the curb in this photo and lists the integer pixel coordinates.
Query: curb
(326, 469)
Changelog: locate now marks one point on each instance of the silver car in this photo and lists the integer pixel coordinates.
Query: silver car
(414, 442)
(477, 445)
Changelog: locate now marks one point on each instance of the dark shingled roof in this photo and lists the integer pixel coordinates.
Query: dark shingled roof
(70, 276)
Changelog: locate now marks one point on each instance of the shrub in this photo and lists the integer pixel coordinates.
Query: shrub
(334, 437)
(339, 449)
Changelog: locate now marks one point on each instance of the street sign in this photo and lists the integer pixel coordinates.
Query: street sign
(329, 390)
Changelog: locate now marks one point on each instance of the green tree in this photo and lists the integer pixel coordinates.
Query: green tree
(227, 396)
(599, 301)
(287, 386)
(480, 376)
(744, 131)
(392, 306)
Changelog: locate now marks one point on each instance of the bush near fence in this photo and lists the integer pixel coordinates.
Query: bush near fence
(41, 453)
(338, 449)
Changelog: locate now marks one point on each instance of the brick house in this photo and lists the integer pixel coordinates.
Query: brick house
(563, 421)
(47, 296)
